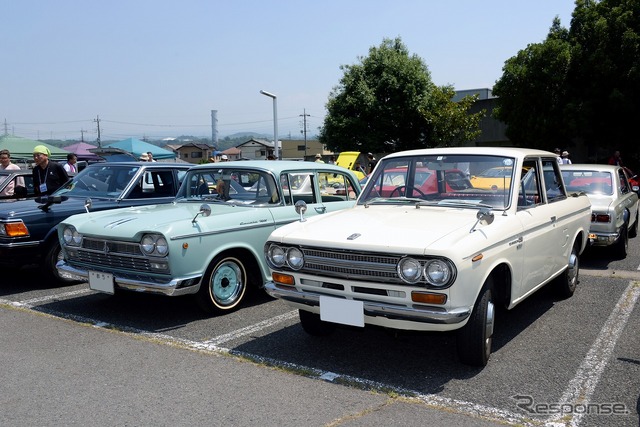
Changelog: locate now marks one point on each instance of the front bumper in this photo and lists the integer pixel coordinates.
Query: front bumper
(20, 253)
(139, 283)
(431, 315)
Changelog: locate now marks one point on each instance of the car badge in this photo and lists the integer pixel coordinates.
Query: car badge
(354, 236)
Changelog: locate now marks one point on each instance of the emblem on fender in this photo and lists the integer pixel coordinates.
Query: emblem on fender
(354, 236)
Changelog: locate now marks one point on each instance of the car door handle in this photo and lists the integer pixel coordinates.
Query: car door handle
(321, 209)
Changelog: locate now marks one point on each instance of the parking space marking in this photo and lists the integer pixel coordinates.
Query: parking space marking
(53, 297)
(238, 333)
(582, 386)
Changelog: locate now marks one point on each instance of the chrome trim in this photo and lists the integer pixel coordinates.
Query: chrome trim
(375, 309)
(269, 224)
(170, 288)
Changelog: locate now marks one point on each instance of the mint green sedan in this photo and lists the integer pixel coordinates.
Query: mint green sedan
(210, 240)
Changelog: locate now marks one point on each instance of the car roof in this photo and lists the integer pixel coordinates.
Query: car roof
(275, 166)
(491, 151)
(590, 167)
(147, 165)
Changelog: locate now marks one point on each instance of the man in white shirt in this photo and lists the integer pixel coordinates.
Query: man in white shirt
(70, 166)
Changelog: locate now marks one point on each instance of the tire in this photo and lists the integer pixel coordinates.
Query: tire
(474, 340)
(53, 254)
(223, 286)
(565, 284)
(621, 246)
(634, 230)
(312, 324)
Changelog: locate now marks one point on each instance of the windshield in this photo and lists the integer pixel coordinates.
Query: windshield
(461, 180)
(102, 181)
(591, 182)
(243, 186)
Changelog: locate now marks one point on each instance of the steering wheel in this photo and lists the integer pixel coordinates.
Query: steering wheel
(402, 193)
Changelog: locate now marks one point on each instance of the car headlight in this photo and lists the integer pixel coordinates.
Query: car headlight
(295, 258)
(276, 255)
(71, 237)
(410, 270)
(437, 272)
(154, 244)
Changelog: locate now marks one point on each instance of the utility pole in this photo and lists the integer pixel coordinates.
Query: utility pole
(82, 135)
(6, 128)
(304, 130)
(97, 120)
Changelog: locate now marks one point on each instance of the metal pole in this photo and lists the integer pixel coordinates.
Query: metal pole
(275, 122)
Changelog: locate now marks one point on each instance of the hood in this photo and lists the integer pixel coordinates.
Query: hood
(168, 219)
(27, 208)
(382, 228)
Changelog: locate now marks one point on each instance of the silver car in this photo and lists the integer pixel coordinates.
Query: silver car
(614, 203)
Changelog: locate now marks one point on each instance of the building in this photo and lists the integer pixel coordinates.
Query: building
(194, 153)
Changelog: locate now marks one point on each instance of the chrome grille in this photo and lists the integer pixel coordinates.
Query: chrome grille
(110, 255)
(352, 265)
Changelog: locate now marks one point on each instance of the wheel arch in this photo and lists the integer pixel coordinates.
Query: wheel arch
(501, 276)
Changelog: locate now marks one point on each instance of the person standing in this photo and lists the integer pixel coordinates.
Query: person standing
(319, 158)
(144, 157)
(48, 176)
(150, 154)
(5, 164)
(372, 162)
(70, 166)
(565, 158)
(558, 156)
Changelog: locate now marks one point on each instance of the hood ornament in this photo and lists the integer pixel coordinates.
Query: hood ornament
(354, 236)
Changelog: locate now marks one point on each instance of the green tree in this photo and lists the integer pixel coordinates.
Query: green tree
(532, 92)
(387, 102)
(579, 86)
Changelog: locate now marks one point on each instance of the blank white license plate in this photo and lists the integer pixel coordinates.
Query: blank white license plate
(102, 282)
(343, 311)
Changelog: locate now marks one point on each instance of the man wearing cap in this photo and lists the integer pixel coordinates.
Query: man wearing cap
(47, 176)
(319, 158)
(565, 158)
(224, 158)
(144, 157)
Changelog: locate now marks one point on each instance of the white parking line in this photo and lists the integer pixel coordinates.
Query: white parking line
(53, 297)
(582, 386)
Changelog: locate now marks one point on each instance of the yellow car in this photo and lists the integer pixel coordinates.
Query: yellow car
(493, 178)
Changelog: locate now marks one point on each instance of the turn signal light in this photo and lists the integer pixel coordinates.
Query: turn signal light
(428, 298)
(283, 279)
(16, 229)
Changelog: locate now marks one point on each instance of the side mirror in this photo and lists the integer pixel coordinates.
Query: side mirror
(301, 208)
(205, 211)
(484, 216)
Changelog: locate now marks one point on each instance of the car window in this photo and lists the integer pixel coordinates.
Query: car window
(298, 186)
(624, 184)
(553, 180)
(530, 189)
(589, 181)
(244, 186)
(335, 187)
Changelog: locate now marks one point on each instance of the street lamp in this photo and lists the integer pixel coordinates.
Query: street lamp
(275, 122)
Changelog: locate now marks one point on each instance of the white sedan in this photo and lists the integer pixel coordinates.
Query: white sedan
(614, 203)
(435, 258)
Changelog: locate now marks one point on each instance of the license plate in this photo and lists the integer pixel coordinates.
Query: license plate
(343, 311)
(102, 282)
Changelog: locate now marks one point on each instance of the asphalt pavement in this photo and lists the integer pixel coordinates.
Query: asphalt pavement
(58, 372)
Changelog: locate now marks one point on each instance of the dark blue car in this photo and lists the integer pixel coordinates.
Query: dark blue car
(28, 227)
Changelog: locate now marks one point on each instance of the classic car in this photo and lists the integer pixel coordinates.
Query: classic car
(28, 227)
(438, 261)
(614, 203)
(209, 241)
(22, 184)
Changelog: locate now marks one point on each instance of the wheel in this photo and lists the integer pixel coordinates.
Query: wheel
(475, 338)
(634, 230)
(223, 285)
(621, 246)
(312, 324)
(401, 189)
(565, 284)
(53, 254)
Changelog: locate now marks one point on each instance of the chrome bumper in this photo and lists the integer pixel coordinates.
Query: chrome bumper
(374, 308)
(603, 239)
(174, 287)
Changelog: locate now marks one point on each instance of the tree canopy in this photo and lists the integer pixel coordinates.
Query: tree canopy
(578, 86)
(387, 102)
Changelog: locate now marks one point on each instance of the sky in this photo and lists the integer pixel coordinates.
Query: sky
(157, 68)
